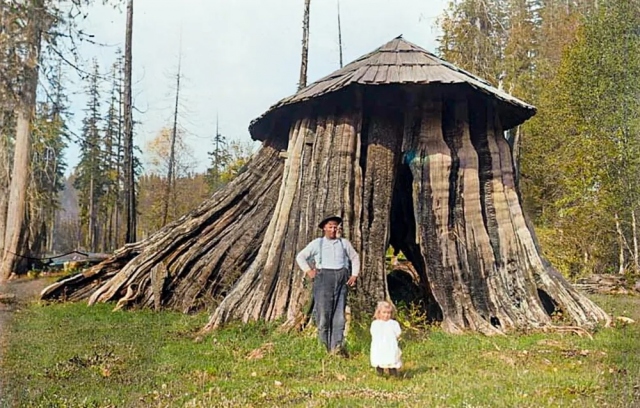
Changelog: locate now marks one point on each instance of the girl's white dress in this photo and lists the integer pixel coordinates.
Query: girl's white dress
(385, 352)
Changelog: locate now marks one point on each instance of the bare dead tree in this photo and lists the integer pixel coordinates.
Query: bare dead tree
(129, 173)
(339, 34)
(302, 82)
(172, 151)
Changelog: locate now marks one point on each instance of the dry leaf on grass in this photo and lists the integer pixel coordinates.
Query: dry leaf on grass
(625, 320)
(259, 353)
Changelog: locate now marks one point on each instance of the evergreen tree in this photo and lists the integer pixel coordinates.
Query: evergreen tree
(113, 160)
(474, 35)
(28, 31)
(238, 155)
(219, 159)
(91, 181)
(47, 173)
(524, 46)
(581, 159)
(50, 139)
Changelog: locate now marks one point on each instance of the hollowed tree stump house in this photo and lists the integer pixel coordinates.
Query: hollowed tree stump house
(410, 151)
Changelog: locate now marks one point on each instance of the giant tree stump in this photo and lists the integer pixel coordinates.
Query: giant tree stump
(418, 161)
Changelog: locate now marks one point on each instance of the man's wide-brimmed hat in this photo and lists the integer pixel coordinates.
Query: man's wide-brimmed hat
(331, 218)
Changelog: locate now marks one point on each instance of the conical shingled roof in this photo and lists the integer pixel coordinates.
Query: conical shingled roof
(400, 62)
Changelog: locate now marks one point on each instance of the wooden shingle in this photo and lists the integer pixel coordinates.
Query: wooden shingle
(399, 61)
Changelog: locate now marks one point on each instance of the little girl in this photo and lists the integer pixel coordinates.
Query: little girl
(385, 353)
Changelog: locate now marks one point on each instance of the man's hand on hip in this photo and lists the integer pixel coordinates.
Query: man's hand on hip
(311, 273)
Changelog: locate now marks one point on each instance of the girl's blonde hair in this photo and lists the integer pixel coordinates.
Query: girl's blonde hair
(382, 305)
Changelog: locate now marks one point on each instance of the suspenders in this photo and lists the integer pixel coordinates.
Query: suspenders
(346, 255)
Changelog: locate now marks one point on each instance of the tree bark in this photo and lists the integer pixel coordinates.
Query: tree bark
(339, 35)
(555, 294)
(193, 261)
(447, 209)
(119, 156)
(321, 157)
(5, 176)
(302, 82)
(384, 138)
(482, 265)
(14, 238)
(129, 166)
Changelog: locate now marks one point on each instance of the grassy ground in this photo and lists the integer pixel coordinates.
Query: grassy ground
(69, 355)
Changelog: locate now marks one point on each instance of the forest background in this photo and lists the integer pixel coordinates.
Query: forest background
(578, 159)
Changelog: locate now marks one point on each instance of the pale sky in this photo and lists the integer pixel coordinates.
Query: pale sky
(238, 56)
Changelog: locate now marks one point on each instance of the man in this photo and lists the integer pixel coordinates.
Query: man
(326, 261)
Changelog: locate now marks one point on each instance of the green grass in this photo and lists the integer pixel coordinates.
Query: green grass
(71, 355)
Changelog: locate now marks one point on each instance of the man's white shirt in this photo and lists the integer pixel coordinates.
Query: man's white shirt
(336, 254)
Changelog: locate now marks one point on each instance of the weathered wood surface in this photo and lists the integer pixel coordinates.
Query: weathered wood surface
(399, 61)
(384, 136)
(429, 173)
(318, 180)
(607, 284)
(481, 262)
(194, 260)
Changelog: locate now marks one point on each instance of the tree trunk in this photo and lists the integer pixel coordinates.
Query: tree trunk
(5, 174)
(17, 204)
(339, 35)
(14, 239)
(302, 82)
(193, 261)
(621, 241)
(482, 265)
(129, 166)
(93, 229)
(119, 165)
(172, 153)
(3, 216)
